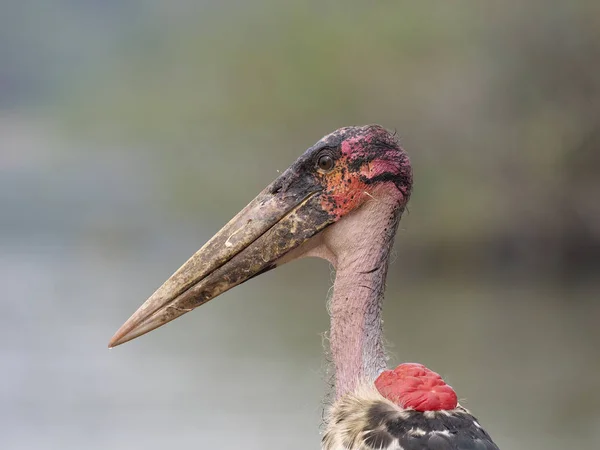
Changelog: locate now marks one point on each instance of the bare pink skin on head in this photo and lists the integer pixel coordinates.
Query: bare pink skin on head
(414, 386)
(370, 161)
(387, 160)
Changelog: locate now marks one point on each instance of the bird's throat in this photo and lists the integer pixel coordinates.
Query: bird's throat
(356, 339)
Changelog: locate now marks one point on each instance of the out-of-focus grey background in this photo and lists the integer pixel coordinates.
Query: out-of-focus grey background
(131, 130)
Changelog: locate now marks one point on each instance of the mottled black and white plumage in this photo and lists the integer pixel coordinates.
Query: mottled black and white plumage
(365, 420)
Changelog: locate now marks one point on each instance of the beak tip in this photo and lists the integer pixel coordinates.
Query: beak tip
(133, 328)
(121, 336)
(114, 342)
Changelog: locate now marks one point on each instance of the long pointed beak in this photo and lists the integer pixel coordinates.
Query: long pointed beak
(275, 222)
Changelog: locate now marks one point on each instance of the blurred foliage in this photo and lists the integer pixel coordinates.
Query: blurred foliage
(495, 102)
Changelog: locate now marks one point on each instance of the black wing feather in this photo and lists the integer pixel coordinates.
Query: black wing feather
(458, 430)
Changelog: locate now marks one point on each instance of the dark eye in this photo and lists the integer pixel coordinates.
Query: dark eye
(325, 163)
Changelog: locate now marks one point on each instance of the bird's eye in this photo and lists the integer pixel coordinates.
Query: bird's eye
(325, 163)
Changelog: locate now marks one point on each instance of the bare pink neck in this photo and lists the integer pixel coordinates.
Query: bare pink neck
(356, 324)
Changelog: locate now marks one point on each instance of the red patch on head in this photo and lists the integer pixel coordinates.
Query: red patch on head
(344, 192)
(351, 145)
(414, 386)
(380, 166)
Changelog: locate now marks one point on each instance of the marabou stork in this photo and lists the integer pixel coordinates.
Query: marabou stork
(341, 201)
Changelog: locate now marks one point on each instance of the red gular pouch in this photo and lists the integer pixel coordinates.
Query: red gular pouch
(414, 386)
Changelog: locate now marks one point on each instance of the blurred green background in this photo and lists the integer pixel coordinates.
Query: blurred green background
(131, 130)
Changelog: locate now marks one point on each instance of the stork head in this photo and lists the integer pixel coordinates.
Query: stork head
(333, 179)
(414, 386)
